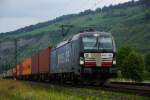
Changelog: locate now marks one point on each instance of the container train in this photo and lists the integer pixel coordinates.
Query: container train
(87, 56)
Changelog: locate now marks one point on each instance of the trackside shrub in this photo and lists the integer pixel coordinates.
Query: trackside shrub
(133, 67)
(122, 53)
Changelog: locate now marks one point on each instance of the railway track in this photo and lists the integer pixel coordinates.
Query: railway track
(142, 89)
(135, 88)
(131, 83)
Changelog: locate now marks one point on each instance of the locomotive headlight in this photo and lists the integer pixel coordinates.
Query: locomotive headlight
(96, 35)
(81, 62)
(114, 62)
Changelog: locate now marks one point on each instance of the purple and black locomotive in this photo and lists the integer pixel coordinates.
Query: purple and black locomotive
(86, 56)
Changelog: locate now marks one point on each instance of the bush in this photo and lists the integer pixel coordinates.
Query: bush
(122, 53)
(133, 67)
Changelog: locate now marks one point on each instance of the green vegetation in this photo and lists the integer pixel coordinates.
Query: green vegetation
(133, 67)
(122, 53)
(16, 90)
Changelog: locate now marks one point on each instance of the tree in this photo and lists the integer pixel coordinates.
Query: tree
(147, 16)
(86, 12)
(133, 67)
(98, 10)
(147, 62)
(146, 3)
(122, 53)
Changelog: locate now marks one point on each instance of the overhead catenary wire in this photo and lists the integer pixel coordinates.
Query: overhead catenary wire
(65, 28)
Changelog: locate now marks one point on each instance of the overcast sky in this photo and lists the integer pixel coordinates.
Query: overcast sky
(15, 14)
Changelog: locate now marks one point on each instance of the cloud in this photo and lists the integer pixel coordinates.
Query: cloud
(15, 23)
(19, 13)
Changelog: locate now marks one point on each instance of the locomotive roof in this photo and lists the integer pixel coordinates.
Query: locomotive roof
(90, 34)
(95, 32)
(75, 37)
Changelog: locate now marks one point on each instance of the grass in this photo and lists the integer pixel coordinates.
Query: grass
(19, 90)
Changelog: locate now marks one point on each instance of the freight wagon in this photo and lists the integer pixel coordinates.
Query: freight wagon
(14, 73)
(25, 68)
(9, 73)
(35, 67)
(41, 65)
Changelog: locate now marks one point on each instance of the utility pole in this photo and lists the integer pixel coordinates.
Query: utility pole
(0, 59)
(15, 50)
(65, 28)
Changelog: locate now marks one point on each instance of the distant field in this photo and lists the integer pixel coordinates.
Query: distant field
(18, 90)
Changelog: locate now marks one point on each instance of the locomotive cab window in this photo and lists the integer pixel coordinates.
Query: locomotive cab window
(90, 42)
(105, 43)
(97, 43)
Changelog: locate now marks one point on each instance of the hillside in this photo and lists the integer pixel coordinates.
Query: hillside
(129, 23)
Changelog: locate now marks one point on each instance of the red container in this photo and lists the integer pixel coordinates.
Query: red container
(35, 64)
(44, 60)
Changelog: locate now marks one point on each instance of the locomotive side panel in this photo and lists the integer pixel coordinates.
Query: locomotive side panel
(53, 57)
(75, 55)
(64, 58)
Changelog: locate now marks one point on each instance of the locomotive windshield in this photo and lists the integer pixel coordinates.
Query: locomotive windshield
(90, 42)
(105, 43)
(97, 43)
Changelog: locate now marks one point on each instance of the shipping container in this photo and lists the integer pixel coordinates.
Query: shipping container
(14, 72)
(9, 73)
(21, 68)
(35, 64)
(18, 69)
(44, 60)
(26, 67)
(4, 74)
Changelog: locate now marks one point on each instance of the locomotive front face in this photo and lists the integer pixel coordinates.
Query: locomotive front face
(98, 53)
(98, 59)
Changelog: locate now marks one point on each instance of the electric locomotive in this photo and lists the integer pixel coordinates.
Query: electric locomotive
(86, 56)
